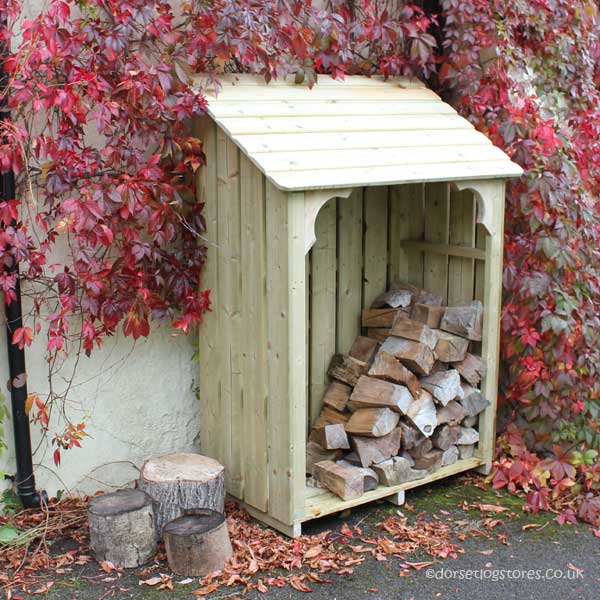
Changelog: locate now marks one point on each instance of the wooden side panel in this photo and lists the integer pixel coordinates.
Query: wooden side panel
(210, 342)
(405, 223)
(253, 336)
(376, 243)
(480, 236)
(435, 273)
(323, 280)
(228, 308)
(461, 271)
(350, 269)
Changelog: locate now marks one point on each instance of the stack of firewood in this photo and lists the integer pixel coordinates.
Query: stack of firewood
(404, 401)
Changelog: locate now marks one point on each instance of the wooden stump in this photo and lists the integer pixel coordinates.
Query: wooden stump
(122, 528)
(177, 482)
(197, 543)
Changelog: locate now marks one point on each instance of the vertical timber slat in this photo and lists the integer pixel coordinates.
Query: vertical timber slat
(229, 275)
(461, 271)
(296, 421)
(406, 222)
(435, 272)
(322, 305)
(278, 353)
(254, 337)
(350, 270)
(209, 349)
(376, 241)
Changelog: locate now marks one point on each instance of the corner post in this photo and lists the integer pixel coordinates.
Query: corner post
(297, 330)
(490, 200)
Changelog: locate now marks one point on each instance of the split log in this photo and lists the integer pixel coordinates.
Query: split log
(397, 470)
(315, 453)
(438, 366)
(373, 450)
(122, 528)
(379, 317)
(471, 369)
(450, 456)
(466, 451)
(370, 477)
(375, 393)
(177, 482)
(466, 321)
(378, 333)
(427, 314)
(422, 413)
(446, 436)
(372, 422)
(364, 349)
(346, 483)
(346, 369)
(399, 298)
(472, 400)
(450, 348)
(423, 446)
(197, 543)
(452, 414)
(410, 436)
(330, 437)
(352, 457)
(419, 295)
(414, 330)
(468, 435)
(470, 421)
(337, 395)
(416, 356)
(386, 367)
(404, 454)
(443, 385)
(431, 461)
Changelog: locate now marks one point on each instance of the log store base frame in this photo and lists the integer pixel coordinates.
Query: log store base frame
(290, 272)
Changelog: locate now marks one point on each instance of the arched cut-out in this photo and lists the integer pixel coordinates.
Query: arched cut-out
(485, 193)
(314, 200)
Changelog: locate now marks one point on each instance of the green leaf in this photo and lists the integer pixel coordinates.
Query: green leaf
(8, 533)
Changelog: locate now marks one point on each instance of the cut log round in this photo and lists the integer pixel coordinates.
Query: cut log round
(372, 422)
(388, 368)
(122, 528)
(177, 482)
(197, 543)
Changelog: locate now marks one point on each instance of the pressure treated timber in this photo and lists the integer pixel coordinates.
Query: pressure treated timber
(323, 287)
(435, 266)
(461, 233)
(375, 243)
(305, 229)
(350, 266)
(228, 309)
(327, 503)
(214, 426)
(384, 133)
(254, 333)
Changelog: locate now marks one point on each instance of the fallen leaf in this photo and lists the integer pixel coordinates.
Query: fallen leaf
(491, 508)
(185, 581)
(530, 526)
(313, 552)
(345, 530)
(107, 566)
(486, 552)
(417, 565)
(44, 589)
(151, 582)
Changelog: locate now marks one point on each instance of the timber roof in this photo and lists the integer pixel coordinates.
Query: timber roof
(355, 132)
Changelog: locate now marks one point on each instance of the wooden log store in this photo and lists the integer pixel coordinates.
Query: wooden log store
(317, 200)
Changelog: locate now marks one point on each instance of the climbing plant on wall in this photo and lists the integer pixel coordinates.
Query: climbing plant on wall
(526, 73)
(104, 222)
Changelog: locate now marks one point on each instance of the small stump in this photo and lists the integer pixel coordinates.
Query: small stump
(197, 543)
(177, 482)
(122, 528)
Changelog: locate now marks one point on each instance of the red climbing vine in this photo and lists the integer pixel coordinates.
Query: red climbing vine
(527, 73)
(105, 224)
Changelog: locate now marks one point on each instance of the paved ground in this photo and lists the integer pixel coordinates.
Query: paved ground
(545, 562)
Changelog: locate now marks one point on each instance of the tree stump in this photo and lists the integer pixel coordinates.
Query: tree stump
(122, 528)
(177, 482)
(197, 543)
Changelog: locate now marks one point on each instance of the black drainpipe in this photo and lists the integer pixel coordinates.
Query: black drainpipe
(24, 479)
